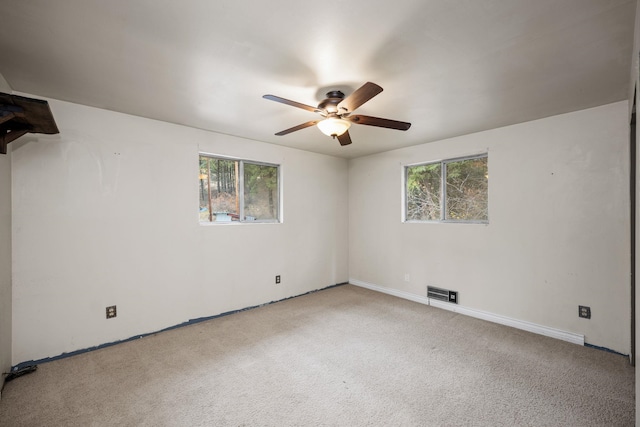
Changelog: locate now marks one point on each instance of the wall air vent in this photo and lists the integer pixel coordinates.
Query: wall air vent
(442, 294)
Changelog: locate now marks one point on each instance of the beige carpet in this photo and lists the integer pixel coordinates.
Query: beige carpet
(344, 356)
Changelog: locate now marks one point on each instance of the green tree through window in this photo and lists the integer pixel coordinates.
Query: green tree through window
(238, 190)
(423, 192)
(260, 191)
(449, 190)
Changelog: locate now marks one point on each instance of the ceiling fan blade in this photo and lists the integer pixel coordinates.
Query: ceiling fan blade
(295, 128)
(344, 139)
(359, 97)
(376, 121)
(292, 103)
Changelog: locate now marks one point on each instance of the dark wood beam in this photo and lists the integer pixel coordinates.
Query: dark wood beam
(20, 115)
(8, 137)
(5, 117)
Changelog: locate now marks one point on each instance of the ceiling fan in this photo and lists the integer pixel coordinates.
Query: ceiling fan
(336, 110)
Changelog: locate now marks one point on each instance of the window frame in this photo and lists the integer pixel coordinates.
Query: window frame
(240, 191)
(443, 191)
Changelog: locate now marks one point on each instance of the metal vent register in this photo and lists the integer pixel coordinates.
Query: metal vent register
(442, 294)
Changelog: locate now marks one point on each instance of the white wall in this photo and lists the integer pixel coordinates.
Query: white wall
(5, 252)
(5, 262)
(106, 214)
(634, 83)
(4, 85)
(559, 225)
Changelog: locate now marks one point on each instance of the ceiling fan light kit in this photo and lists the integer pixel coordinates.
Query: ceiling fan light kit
(333, 126)
(336, 110)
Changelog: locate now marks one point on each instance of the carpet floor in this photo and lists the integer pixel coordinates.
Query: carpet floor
(344, 356)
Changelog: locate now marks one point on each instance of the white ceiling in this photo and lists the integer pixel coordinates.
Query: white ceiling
(450, 67)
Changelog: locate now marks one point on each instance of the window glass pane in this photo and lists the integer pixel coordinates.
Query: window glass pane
(228, 187)
(203, 189)
(467, 190)
(223, 180)
(260, 192)
(423, 192)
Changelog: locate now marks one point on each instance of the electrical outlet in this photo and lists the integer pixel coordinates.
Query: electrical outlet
(277, 279)
(407, 277)
(111, 312)
(584, 311)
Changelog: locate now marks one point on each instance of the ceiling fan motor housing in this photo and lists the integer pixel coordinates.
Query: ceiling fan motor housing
(330, 104)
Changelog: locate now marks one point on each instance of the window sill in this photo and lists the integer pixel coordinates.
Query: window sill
(236, 223)
(446, 222)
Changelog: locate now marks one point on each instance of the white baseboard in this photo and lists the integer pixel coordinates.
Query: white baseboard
(479, 314)
(394, 292)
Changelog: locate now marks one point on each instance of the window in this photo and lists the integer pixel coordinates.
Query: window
(238, 190)
(454, 190)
